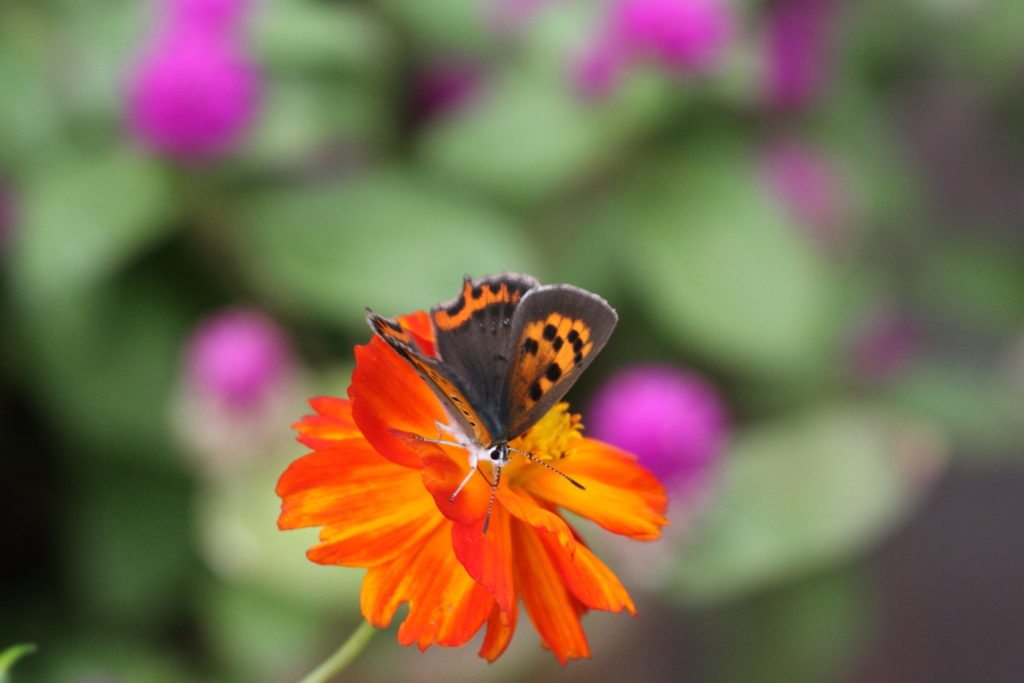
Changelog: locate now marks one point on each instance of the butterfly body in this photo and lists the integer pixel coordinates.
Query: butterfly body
(508, 349)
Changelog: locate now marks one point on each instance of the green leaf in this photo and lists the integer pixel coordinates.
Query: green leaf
(85, 216)
(110, 388)
(10, 655)
(237, 536)
(389, 241)
(443, 24)
(802, 494)
(719, 268)
(983, 411)
(304, 35)
(128, 544)
(981, 283)
(531, 136)
(811, 630)
(304, 116)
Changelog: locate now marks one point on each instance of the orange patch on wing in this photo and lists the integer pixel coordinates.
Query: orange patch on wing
(471, 300)
(549, 351)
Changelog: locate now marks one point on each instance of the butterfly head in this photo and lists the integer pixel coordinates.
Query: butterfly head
(498, 454)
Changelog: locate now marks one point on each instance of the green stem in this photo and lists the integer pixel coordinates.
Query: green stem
(343, 656)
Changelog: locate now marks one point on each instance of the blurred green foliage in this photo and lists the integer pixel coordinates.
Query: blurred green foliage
(146, 568)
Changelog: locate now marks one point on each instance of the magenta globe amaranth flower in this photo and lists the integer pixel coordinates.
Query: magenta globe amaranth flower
(444, 86)
(238, 356)
(673, 420)
(213, 15)
(240, 380)
(882, 345)
(809, 186)
(798, 46)
(195, 90)
(684, 37)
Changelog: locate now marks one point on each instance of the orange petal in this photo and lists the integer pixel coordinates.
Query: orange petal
(500, 627)
(587, 577)
(331, 406)
(422, 330)
(526, 508)
(333, 422)
(442, 476)
(554, 611)
(445, 605)
(371, 509)
(619, 494)
(488, 557)
(387, 395)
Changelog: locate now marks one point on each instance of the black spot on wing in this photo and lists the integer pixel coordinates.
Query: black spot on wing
(550, 331)
(531, 347)
(557, 344)
(536, 392)
(456, 307)
(553, 372)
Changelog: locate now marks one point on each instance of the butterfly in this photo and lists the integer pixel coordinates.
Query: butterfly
(508, 349)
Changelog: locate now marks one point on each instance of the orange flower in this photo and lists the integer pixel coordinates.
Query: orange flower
(382, 499)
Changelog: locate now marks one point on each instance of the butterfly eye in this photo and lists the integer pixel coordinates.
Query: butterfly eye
(496, 454)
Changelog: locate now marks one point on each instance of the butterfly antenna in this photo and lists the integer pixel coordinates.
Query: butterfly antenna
(572, 481)
(490, 503)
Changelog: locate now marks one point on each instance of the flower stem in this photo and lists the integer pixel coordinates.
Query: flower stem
(343, 656)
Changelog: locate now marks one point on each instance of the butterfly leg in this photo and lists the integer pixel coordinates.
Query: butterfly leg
(465, 481)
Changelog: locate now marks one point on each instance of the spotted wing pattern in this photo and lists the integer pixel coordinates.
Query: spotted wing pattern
(435, 373)
(474, 339)
(558, 330)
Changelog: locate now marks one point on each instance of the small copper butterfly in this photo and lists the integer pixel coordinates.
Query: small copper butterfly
(508, 349)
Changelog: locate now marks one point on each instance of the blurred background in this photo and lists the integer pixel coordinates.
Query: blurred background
(808, 213)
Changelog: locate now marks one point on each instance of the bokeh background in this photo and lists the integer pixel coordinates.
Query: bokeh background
(808, 213)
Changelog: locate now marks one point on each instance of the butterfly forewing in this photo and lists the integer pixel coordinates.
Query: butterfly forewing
(557, 332)
(475, 340)
(436, 374)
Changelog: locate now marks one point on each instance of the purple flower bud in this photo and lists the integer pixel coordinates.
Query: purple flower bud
(239, 357)
(882, 345)
(508, 18)
(809, 186)
(443, 87)
(598, 71)
(798, 59)
(193, 94)
(213, 15)
(674, 421)
(688, 36)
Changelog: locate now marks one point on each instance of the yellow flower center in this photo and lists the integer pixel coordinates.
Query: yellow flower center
(553, 438)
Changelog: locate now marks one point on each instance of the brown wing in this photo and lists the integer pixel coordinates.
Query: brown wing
(474, 340)
(435, 374)
(559, 330)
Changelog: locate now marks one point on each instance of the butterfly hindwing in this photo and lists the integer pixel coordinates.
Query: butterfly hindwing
(436, 374)
(474, 339)
(557, 331)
